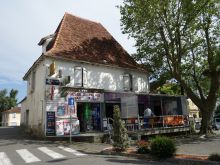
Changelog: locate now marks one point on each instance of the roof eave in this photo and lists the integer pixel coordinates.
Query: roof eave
(92, 63)
(33, 66)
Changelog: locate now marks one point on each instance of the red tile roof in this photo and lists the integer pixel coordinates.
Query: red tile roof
(13, 110)
(84, 40)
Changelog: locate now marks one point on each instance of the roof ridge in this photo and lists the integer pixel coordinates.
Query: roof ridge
(85, 19)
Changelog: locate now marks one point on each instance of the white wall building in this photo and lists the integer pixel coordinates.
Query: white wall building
(11, 117)
(81, 60)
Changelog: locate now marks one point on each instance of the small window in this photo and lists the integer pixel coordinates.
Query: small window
(33, 81)
(14, 115)
(60, 73)
(80, 77)
(127, 82)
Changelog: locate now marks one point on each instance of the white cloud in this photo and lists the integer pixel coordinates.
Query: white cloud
(24, 22)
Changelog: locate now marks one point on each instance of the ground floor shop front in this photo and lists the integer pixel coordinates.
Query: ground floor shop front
(93, 111)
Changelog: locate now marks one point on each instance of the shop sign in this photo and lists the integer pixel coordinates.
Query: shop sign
(70, 101)
(52, 82)
(50, 125)
(87, 97)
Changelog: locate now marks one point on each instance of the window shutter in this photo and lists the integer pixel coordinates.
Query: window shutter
(85, 80)
(78, 76)
(52, 68)
(126, 82)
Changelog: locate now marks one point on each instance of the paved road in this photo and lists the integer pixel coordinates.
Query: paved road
(196, 145)
(17, 151)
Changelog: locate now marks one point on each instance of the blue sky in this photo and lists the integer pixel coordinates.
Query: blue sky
(23, 23)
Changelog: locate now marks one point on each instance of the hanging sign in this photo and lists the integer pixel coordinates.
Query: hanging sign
(70, 101)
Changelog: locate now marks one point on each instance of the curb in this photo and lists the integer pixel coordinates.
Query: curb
(191, 162)
(171, 160)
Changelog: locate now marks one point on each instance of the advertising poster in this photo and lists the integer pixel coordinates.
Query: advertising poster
(59, 128)
(75, 127)
(66, 127)
(50, 125)
(61, 110)
(63, 127)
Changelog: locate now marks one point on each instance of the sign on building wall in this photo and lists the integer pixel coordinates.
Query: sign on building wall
(87, 97)
(50, 125)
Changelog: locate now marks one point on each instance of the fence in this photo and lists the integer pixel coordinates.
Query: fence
(141, 123)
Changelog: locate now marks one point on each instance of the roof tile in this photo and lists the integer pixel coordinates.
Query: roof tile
(80, 39)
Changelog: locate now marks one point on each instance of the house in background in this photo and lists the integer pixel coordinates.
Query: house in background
(11, 117)
(82, 73)
(193, 110)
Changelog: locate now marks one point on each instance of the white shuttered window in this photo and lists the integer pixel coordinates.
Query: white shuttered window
(80, 77)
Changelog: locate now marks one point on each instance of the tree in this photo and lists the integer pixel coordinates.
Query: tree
(7, 101)
(120, 136)
(180, 37)
(170, 88)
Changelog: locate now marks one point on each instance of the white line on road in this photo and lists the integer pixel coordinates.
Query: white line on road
(4, 160)
(51, 153)
(77, 153)
(27, 156)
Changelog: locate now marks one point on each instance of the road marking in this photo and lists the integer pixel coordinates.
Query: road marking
(27, 156)
(51, 153)
(4, 160)
(77, 153)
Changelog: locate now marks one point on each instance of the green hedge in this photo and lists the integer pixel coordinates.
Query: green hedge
(162, 147)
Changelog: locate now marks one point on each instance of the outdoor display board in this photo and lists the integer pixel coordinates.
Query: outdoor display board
(50, 125)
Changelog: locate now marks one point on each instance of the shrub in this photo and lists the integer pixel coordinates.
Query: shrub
(214, 157)
(162, 147)
(120, 136)
(143, 147)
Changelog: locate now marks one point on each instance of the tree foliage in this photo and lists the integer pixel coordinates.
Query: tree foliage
(8, 100)
(170, 89)
(179, 37)
(120, 136)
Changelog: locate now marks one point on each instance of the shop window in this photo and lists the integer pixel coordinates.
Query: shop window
(127, 82)
(80, 77)
(141, 110)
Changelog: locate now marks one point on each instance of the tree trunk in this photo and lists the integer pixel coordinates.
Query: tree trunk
(206, 124)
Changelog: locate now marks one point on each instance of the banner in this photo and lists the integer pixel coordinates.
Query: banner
(50, 125)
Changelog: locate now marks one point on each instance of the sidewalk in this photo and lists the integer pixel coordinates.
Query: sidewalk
(190, 145)
(195, 145)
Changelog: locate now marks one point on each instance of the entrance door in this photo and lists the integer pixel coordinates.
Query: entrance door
(80, 117)
(89, 116)
(27, 117)
(110, 110)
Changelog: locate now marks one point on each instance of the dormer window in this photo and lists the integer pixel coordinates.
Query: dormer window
(46, 43)
(127, 82)
(80, 77)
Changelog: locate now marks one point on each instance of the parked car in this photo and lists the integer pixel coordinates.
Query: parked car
(215, 126)
(197, 125)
